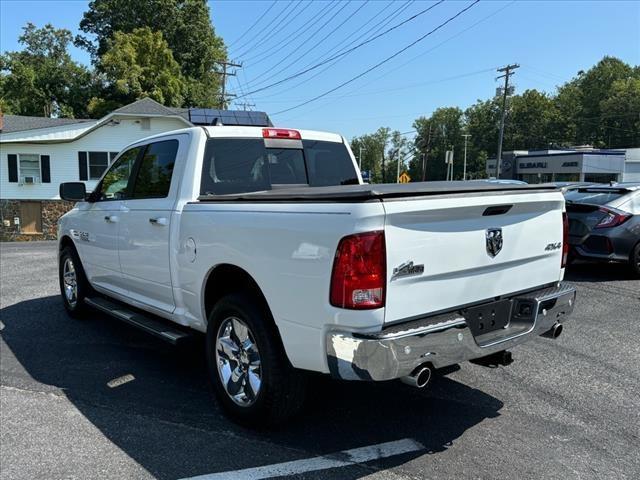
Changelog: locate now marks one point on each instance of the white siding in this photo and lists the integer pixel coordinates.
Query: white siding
(64, 156)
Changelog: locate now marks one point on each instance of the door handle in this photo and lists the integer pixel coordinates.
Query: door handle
(111, 219)
(158, 221)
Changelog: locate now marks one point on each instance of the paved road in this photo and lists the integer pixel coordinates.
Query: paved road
(565, 409)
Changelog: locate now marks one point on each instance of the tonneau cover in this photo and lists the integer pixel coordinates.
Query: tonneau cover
(354, 193)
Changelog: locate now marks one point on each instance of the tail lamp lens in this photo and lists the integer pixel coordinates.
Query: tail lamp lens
(359, 272)
(565, 239)
(612, 218)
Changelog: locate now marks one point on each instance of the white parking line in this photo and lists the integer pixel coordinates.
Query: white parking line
(344, 458)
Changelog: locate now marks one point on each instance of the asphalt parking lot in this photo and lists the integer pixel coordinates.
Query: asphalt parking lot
(98, 399)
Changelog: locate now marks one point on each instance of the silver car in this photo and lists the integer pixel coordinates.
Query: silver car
(604, 223)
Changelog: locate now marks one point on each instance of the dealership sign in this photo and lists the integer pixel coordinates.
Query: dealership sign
(533, 165)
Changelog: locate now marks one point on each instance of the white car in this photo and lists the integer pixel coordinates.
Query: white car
(267, 241)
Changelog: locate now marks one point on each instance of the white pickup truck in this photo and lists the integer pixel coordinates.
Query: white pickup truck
(268, 241)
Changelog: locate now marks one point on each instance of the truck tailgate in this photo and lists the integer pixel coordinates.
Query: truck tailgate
(442, 258)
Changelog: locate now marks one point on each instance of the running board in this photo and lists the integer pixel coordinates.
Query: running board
(159, 328)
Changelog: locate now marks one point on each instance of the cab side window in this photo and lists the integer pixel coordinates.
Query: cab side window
(114, 185)
(156, 169)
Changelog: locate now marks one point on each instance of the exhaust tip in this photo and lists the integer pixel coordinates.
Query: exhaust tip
(554, 332)
(419, 378)
(557, 330)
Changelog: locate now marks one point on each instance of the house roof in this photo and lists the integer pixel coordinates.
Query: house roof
(146, 106)
(19, 123)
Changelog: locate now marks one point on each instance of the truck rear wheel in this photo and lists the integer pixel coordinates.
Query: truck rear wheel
(248, 369)
(74, 286)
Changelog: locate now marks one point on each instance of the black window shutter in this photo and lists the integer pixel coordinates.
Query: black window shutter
(82, 165)
(46, 168)
(13, 167)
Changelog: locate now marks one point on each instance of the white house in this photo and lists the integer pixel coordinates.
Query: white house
(37, 154)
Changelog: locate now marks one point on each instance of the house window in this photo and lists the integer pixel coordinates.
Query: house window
(29, 168)
(94, 164)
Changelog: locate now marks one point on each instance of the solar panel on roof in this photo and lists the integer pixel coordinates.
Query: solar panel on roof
(213, 116)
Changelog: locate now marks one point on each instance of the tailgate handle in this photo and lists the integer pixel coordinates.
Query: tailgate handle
(496, 210)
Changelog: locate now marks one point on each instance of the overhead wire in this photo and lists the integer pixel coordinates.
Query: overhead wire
(382, 62)
(254, 23)
(381, 24)
(274, 28)
(319, 42)
(291, 37)
(349, 50)
(309, 38)
(265, 27)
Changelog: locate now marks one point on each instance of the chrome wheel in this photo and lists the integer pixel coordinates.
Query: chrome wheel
(70, 282)
(238, 361)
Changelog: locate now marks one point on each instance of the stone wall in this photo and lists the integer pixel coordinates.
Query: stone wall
(52, 210)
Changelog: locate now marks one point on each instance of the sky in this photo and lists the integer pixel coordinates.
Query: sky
(453, 65)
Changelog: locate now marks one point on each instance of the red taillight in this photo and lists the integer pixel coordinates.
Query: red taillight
(565, 239)
(612, 218)
(281, 133)
(359, 272)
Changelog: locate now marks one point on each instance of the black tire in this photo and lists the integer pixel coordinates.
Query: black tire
(77, 308)
(282, 388)
(634, 260)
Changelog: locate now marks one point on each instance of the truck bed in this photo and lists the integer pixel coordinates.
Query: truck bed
(386, 191)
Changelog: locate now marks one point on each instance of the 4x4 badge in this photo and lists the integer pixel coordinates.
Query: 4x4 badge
(494, 241)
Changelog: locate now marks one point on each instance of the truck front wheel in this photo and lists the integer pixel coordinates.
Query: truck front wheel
(250, 374)
(74, 285)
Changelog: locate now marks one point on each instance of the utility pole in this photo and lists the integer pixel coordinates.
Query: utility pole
(444, 146)
(245, 105)
(398, 174)
(464, 170)
(425, 156)
(360, 159)
(508, 71)
(225, 73)
(383, 172)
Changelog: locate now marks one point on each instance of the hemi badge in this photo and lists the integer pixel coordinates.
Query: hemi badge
(407, 269)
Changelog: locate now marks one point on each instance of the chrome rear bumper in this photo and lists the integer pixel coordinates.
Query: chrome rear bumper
(444, 340)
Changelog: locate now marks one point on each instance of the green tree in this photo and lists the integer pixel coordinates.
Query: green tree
(140, 64)
(447, 126)
(41, 79)
(186, 26)
(374, 150)
(622, 120)
(532, 120)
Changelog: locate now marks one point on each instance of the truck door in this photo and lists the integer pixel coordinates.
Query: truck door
(145, 226)
(99, 224)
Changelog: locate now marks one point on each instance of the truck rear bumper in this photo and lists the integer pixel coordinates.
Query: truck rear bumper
(447, 339)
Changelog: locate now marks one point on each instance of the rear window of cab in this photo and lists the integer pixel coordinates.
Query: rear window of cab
(240, 165)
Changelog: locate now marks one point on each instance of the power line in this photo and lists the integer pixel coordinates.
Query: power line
(450, 19)
(290, 38)
(319, 42)
(318, 30)
(345, 52)
(274, 28)
(456, 35)
(254, 23)
(330, 51)
(384, 22)
(386, 91)
(265, 27)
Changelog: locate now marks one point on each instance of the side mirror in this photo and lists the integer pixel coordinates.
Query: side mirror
(73, 191)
